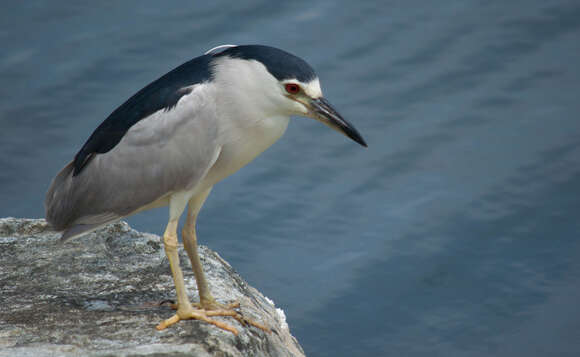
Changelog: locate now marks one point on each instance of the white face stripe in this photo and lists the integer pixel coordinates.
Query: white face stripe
(311, 89)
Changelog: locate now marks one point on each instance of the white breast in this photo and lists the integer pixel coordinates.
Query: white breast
(244, 141)
(250, 113)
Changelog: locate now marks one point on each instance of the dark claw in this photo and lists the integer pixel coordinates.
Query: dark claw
(167, 301)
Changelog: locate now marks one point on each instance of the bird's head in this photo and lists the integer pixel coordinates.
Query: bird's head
(277, 83)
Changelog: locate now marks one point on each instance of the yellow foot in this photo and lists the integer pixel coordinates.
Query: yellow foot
(211, 305)
(205, 314)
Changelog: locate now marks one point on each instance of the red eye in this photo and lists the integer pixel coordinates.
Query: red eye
(292, 88)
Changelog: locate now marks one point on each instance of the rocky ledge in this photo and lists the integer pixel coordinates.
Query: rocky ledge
(99, 296)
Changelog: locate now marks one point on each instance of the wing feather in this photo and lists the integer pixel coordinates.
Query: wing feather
(161, 94)
(168, 151)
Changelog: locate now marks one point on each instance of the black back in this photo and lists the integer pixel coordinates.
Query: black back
(165, 92)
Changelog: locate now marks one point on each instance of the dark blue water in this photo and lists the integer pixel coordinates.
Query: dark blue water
(456, 233)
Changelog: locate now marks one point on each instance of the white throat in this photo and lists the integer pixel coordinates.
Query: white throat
(249, 120)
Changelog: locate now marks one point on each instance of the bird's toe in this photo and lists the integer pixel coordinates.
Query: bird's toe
(206, 314)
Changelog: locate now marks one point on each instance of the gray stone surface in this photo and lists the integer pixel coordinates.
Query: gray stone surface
(98, 295)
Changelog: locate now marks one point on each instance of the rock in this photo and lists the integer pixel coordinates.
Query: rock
(98, 296)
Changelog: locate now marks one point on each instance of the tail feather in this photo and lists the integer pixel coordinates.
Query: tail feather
(58, 205)
(65, 212)
(78, 230)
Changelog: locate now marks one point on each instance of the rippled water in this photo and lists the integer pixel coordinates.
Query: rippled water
(456, 231)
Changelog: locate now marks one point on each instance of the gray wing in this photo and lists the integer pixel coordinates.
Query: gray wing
(166, 152)
(163, 93)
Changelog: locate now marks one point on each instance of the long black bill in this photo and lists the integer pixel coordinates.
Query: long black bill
(325, 113)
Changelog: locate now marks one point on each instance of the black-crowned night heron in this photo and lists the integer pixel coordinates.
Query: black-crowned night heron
(174, 139)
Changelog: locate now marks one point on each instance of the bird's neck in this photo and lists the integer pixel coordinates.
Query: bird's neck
(242, 139)
(253, 132)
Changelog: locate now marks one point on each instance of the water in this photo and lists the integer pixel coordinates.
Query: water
(454, 233)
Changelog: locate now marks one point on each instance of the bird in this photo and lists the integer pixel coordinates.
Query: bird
(173, 140)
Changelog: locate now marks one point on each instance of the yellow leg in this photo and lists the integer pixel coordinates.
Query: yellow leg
(170, 242)
(208, 306)
(190, 244)
(184, 309)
